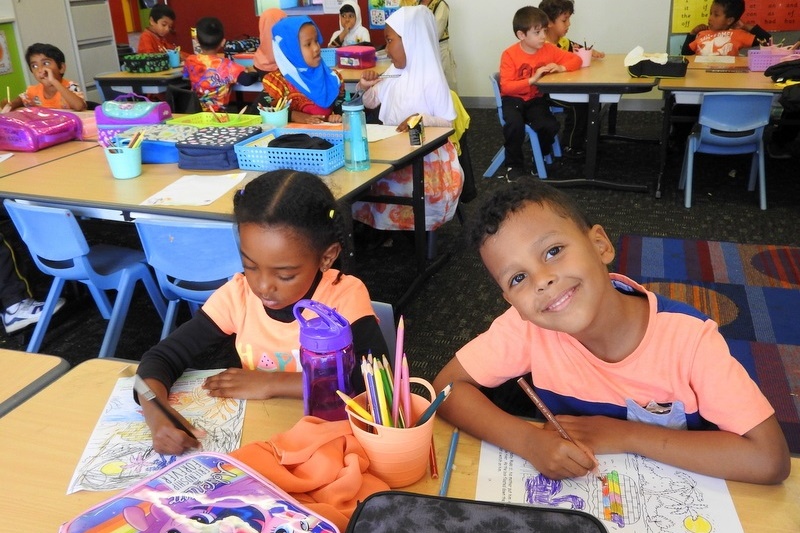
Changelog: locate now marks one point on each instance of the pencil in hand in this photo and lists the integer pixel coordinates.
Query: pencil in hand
(147, 393)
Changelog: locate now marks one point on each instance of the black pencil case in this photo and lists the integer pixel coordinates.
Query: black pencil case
(675, 67)
(212, 148)
(399, 512)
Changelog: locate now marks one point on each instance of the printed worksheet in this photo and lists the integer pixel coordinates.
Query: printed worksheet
(120, 451)
(634, 494)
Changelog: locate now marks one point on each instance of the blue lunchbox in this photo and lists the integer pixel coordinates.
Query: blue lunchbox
(160, 141)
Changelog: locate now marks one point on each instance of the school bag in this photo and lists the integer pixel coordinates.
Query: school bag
(398, 511)
(784, 71)
(212, 148)
(29, 129)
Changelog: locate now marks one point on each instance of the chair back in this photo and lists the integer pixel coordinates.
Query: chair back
(181, 100)
(733, 121)
(385, 314)
(54, 238)
(191, 259)
(498, 101)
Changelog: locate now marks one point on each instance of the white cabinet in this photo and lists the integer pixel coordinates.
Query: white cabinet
(82, 29)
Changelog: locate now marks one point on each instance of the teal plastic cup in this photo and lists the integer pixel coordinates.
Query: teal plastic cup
(174, 57)
(275, 119)
(125, 163)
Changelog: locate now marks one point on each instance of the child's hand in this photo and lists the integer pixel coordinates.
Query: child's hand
(6, 109)
(697, 29)
(237, 383)
(167, 439)
(597, 54)
(558, 458)
(600, 433)
(48, 78)
(334, 118)
(368, 79)
(403, 126)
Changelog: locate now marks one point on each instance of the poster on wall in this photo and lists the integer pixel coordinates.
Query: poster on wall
(379, 11)
(772, 15)
(5, 57)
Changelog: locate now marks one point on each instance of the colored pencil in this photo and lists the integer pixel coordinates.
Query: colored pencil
(398, 355)
(448, 467)
(373, 395)
(383, 408)
(405, 391)
(433, 462)
(352, 404)
(428, 413)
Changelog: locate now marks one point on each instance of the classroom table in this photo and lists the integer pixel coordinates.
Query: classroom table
(605, 80)
(24, 374)
(92, 191)
(698, 80)
(51, 430)
(139, 83)
(24, 160)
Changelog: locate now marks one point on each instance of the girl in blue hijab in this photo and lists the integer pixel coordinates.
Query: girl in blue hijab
(310, 85)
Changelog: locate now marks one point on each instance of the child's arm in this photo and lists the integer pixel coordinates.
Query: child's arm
(760, 36)
(167, 439)
(14, 103)
(686, 49)
(471, 411)
(758, 456)
(72, 99)
(254, 384)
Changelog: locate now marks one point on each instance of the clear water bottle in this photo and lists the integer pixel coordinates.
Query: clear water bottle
(356, 149)
(327, 358)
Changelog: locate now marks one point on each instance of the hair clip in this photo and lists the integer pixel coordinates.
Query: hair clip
(331, 214)
(241, 191)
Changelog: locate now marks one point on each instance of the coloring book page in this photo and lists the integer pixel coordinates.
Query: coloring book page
(636, 495)
(120, 451)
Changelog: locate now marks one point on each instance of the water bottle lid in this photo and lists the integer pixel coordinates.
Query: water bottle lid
(328, 332)
(353, 106)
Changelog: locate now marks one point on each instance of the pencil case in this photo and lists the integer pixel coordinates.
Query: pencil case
(675, 67)
(201, 492)
(392, 511)
(125, 111)
(159, 143)
(355, 57)
(145, 63)
(30, 129)
(213, 148)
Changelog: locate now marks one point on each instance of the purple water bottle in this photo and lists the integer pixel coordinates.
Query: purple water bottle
(326, 355)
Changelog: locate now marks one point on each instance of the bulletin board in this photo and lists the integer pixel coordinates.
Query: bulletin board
(772, 15)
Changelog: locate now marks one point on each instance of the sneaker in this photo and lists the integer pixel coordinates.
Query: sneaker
(778, 151)
(515, 173)
(25, 313)
(573, 153)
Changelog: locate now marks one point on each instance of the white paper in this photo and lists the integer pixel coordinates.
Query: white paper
(3, 157)
(195, 190)
(715, 59)
(656, 498)
(377, 132)
(120, 451)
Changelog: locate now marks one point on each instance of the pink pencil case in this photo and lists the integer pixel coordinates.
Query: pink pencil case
(355, 57)
(30, 129)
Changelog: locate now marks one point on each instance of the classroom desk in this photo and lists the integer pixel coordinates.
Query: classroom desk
(91, 186)
(24, 160)
(353, 75)
(51, 430)
(140, 83)
(606, 79)
(24, 374)
(690, 89)
(397, 151)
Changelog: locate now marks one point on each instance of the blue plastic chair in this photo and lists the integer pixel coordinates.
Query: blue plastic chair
(191, 259)
(729, 123)
(538, 159)
(59, 249)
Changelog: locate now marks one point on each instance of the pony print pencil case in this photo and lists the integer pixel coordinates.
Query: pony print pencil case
(201, 493)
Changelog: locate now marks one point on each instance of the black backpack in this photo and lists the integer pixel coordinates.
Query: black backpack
(783, 71)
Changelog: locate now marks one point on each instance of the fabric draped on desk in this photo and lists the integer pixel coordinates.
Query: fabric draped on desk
(319, 463)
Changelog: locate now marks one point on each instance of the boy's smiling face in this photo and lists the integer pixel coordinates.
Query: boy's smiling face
(550, 269)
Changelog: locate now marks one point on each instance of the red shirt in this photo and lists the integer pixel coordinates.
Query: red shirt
(517, 66)
(150, 43)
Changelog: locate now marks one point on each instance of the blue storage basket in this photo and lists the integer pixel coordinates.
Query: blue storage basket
(264, 158)
(328, 56)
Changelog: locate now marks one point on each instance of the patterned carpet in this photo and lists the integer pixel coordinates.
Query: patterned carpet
(751, 291)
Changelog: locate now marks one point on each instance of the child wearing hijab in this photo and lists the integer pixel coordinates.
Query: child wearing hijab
(419, 88)
(264, 58)
(350, 29)
(310, 86)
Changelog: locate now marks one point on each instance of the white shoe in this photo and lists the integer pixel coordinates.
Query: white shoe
(25, 313)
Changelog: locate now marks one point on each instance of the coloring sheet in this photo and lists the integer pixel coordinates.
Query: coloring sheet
(636, 494)
(120, 451)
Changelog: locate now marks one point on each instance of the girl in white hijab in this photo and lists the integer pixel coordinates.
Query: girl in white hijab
(419, 88)
(350, 31)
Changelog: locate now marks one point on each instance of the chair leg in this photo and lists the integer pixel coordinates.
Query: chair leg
(751, 184)
(688, 176)
(169, 319)
(154, 291)
(497, 160)
(762, 179)
(538, 157)
(47, 313)
(118, 314)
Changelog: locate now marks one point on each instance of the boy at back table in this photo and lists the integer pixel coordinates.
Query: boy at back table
(521, 66)
(725, 32)
(623, 369)
(48, 65)
(154, 39)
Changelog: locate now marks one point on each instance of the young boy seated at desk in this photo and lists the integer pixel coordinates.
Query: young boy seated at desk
(154, 38)
(210, 74)
(623, 369)
(48, 65)
(725, 32)
(521, 66)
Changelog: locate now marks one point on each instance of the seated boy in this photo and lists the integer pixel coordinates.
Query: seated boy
(725, 33)
(623, 369)
(211, 74)
(47, 63)
(521, 66)
(154, 39)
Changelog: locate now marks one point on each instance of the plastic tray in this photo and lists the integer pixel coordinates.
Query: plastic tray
(207, 119)
(328, 56)
(320, 162)
(759, 60)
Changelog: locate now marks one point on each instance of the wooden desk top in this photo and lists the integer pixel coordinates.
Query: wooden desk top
(700, 80)
(24, 374)
(25, 160)
(124, 75)
(738, 61)
(397, 149)
(52, 428)
(94, 187)
(607, 75)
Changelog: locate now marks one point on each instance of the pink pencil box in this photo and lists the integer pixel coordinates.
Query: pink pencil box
(30, 129)
(355, 57)
(126, 111)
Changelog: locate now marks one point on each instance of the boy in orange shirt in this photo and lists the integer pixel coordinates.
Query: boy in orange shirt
(154, 39)
(47, 63)
(521, 66)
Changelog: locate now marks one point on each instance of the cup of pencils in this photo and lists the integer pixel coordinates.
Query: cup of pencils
(586, 56)
(276, 116)
(398, 453)
(124, 156)
(174, 57)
